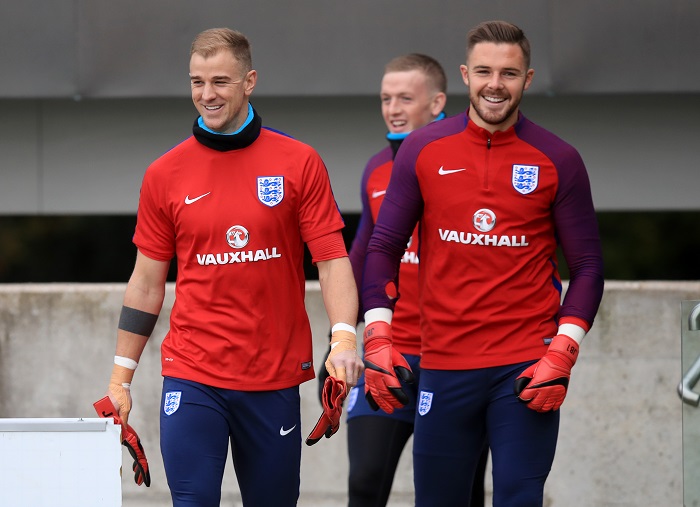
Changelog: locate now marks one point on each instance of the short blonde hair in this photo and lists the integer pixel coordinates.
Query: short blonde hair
(210, 42)
(426, 64)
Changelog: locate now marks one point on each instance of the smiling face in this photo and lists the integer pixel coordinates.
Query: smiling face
(497, 76)
(409, 101)
(220, 90)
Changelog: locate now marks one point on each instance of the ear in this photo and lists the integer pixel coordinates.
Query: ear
(465, 74)
(438, 104)
(251, 78)
(528, 78)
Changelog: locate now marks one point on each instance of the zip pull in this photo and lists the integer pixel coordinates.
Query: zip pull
(488, 143)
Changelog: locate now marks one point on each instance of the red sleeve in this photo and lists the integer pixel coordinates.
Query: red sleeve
(318, 213)
(155, 230)
(327, 247)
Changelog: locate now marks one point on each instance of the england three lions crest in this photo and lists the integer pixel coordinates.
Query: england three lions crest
(172, 402)
(525, 178)
(271, 190)
(425, 401)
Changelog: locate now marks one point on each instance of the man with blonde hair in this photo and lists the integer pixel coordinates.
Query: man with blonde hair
(412, 95)
(234, 203)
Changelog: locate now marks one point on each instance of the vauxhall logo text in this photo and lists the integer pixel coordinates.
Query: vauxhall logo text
(410, 257)
(234, 257)
(484, 220)
(237, 237)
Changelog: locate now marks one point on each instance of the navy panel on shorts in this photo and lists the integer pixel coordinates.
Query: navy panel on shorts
(458, 412)
(198, 422)
(356, 404)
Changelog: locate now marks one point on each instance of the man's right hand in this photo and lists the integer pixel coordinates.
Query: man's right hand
(384, 365)
(120, 392)
(105, 408)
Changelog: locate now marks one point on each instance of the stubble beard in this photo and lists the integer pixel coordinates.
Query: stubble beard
(492, 118)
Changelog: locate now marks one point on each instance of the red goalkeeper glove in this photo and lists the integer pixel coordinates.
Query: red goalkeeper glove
(322, 376)
(543, 385)
(384, 365)
(332, 398)
(130, 440)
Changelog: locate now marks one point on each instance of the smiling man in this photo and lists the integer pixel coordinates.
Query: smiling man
(495, 196)
(222, 82)
(234, 204)
(412, 94)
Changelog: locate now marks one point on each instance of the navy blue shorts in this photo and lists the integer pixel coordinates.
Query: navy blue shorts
(457, 412)
(357, 403)
(198, 422)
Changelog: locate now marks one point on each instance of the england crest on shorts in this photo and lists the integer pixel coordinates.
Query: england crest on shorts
(172, 402)
(271, 190)
(425, 401)
(525, 178)
(352, 398)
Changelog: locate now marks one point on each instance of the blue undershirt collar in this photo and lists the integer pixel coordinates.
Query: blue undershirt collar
(201, 124)
(402, 135)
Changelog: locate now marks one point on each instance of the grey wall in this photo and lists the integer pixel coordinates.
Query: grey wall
(93, 90)
(132, 48)
(68, 157)
(620, 442)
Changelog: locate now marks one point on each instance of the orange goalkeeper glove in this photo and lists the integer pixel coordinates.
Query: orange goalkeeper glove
(384, 365)
(543, 385)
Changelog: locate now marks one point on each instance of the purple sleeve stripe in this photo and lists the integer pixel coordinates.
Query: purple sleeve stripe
(575, 222)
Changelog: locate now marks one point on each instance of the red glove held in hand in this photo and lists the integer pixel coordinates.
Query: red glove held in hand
(130, 440)
(332, 398)
(384, 365)
(543, 385)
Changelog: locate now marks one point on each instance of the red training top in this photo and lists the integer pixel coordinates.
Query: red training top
(237, 221)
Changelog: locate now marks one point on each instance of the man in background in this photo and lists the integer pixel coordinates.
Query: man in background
(413, 94)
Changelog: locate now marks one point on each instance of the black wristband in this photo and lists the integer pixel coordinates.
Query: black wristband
(137, 322)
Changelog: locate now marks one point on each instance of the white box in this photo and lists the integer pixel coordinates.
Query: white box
(60, 462)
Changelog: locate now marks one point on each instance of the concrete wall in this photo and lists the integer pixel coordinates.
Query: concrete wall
(620, 442)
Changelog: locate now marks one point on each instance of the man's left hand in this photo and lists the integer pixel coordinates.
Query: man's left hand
(322, 375)
(342, 362)
(543, 385)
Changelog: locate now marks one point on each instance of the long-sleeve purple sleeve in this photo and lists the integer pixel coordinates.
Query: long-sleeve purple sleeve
(576, 228)
(397, 219)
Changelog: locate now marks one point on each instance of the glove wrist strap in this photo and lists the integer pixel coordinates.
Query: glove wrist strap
(378, 329)
(566, 347)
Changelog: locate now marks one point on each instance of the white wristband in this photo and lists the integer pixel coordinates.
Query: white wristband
(126, 362)
(342, 326)
(376, 314)
(576, 333)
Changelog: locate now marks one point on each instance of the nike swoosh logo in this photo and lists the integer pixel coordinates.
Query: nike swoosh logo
(443, 172)
(190, 201)
(284, 432)
(377, 193)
